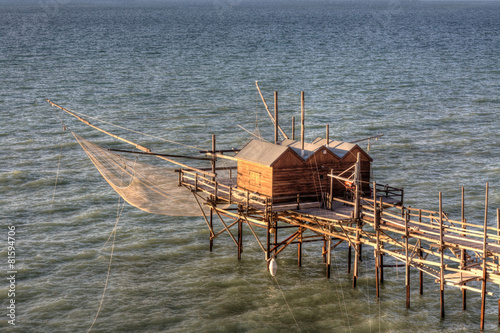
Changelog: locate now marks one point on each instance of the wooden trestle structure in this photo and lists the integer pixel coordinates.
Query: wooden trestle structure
(452, 252)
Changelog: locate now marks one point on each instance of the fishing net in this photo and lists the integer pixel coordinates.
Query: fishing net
(150, 188)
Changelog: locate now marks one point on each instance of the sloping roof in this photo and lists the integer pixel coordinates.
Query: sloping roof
(267, 153)
(309, 148)
(261, 152)
(339, 148)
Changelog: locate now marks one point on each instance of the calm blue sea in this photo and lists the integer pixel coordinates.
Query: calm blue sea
(424, 74)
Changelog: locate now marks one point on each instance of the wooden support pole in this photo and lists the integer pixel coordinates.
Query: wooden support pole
(441, 250)
(211, 228)
(293, 127)
(275, 235)
(299, 248)
(213, 156)
(276, 123)
(381, 268)
(327, 135)
(485, 254)
(407, 268)
(213, 197)
(240, 238)
(376, 221)
(268, 238)
(463, 254)
(357, 256)
(328, 255)
(421, 275)
(381, 259)
(302, 120)
(349, 255)
(330, 199)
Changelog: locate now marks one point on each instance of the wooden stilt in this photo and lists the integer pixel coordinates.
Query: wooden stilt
(441, 249)
(421, 275)
(381, 268)
(328, 256)
(407, 268)
(485, 254)
(349, 254)
(376, 222)
(240, 238)
(323, 250)
(299, 248)
(213, 196)
(356, 257)
(211, 228)
(293, 128)
(275, 235)
(268, 238)
(463, 253)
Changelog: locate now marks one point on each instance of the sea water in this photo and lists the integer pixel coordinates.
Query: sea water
(424, 74)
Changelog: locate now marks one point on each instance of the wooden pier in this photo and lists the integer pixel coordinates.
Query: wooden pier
(453, 253)
(314, 192)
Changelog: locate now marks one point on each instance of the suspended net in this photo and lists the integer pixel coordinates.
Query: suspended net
(150, 188)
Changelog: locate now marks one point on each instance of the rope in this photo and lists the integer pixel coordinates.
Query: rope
(113, 232)
(288, 305)
(138, 132)
(57, 177)
(58, 164)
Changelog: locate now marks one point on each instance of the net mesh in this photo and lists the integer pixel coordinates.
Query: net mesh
(150, 188)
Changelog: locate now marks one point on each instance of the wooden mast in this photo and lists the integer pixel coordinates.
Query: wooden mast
(302, 120)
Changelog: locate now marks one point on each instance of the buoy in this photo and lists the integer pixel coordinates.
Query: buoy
(273, 267)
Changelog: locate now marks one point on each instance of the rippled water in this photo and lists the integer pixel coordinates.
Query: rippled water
(425, 75)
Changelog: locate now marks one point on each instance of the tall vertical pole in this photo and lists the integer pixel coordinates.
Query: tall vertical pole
(485, 254)
(211, 228)
(213, 197)
(421, 274)
(376, 221)
(302, 120)
(498, 235)
(441, 249)
(240, 238)
(268, 238)
(299, 249)
(327, 135)
(407, 270)
(463, 252)
(213, 156)
(293, 128)
(328, 254)
(357, 185)
(275, 235)
(349, 255)
(381, 258)
(276, 124)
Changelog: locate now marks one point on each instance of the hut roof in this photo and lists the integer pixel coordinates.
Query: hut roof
(267, 153)
(339, 148)
(261, 152)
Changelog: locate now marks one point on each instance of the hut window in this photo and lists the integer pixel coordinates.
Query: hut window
(254, 178)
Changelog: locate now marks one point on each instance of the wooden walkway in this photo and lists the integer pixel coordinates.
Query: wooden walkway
(454, 253)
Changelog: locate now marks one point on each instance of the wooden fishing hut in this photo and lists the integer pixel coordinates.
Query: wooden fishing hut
(285, 171)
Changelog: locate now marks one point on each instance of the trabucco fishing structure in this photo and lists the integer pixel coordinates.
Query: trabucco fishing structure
(300, 192)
